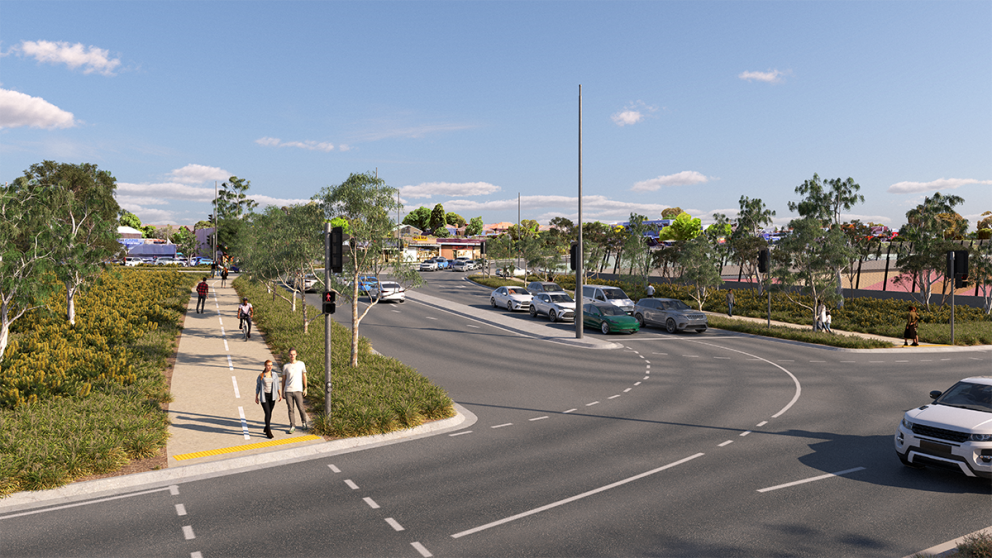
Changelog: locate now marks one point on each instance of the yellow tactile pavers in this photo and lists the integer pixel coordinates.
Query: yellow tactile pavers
(245, 447)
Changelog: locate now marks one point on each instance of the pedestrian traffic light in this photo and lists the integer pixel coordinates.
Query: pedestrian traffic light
(763, 260)
(957, 267)
(330, 297)
(336, 256)
(482, 247)
(573, 256)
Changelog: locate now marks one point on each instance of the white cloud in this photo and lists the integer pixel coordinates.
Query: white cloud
(198, 174)
(431, 189)
(848, 217)
(771, 76)
(278, 202)
(91, 59)
(684, 178)
(148, 215)
(18, 109)
(632, 113)
(939, 184)
(165, 190)
(309, 145)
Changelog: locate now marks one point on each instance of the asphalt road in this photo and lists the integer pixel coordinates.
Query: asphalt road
(674, 445)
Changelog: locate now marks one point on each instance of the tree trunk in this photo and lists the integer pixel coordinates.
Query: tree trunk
(70, 303)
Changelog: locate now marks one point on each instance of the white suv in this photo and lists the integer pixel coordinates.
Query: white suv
(955, 431)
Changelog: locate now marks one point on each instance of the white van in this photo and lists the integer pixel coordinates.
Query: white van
(612, 295)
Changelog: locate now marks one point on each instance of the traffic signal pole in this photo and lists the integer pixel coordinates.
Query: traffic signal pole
(327, 324)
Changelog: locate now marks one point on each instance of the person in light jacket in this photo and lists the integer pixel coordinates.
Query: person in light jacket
(267, 393)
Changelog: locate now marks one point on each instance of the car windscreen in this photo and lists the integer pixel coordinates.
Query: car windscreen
(551, 288)
(967, 395)
(678, 305)
(517, 291)
(611, 311)
(615, 294)
(560, 298)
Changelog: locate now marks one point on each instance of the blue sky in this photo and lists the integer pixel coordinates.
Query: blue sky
(468, 104)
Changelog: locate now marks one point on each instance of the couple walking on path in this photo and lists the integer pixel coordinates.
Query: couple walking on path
(291, 386)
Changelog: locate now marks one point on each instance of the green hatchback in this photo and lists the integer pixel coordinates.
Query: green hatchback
(607, 317)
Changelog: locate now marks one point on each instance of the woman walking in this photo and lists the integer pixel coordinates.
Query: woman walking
(267, 393)
(911, 322)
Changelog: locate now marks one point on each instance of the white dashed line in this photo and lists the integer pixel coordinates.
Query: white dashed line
(188, 533)
(475, 326)
(230, 364)
(174, 490)
(945, 359)
(628, 389)
(691, 356)
(613, 396)
(459, 433)
(847, 362)
(727, 443)
(647, 377)
(745, 433)
(351, 484)
(502, 425)
(394, 524)
(180, 509)
(570, 411)
(244, 423)
(226, 347)
(371, 503)
(538, 418)
(973, 358)
(762, 423)
(196, 554)
(787, 361)
(334, 468)
(902, 361)
(430, 317)
(420, 548)
(234, 380)
(821, 477)
(593, 403)
(818, 361)
(722, 358)
(638, 383)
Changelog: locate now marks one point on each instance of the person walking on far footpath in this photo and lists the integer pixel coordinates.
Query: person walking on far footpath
(213, 269)
(294, 389)
(730, 303)
(266, 392)
(821, 316)
(911, 323)
(223, 277)
(826, 323)
(201, 295)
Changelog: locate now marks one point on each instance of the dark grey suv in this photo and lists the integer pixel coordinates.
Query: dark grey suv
(674, 315)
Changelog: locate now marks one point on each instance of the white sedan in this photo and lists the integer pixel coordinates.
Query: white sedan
(557, 306)
(511, 298)
(387, 291)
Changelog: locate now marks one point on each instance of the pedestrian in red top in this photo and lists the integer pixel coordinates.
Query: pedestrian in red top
(201, 291)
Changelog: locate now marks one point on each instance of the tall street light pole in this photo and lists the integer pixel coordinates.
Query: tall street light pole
(579, 252)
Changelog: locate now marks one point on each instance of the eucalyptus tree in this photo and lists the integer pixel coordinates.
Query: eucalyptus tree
(233, 204)
(366, 203)
(82, 224)
(718, 234)
(746, 241)
(474, 227)
(419, 218)
(544, 252)
(595, 246)
(701, 267)
(636, 252)
(438, 219)
(502, 247)
(924, 264)
(862, 243)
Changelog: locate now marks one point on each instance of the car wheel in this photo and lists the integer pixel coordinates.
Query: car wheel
(509, 306)
(605, 328)
(493, 301)
(552, 316)
(640, 320)
(670, 326)
(533, 312)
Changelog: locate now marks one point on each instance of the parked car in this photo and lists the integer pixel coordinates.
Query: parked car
(311, 282)
(952, 432)
(511, 298)
(505, 272)
(555, 305)
(462, 265)
(535, 287)
(672, 314)
(203, 261)
(607, 317)
(611, 295)
(169, 260)
(442, 263)
(428, 265)
(388, 291)
(131, 261)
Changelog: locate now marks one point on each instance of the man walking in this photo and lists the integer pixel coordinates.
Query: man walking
(294, 382)
(730, 303)
(201, 294)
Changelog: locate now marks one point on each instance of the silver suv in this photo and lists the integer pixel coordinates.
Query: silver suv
(673, 314)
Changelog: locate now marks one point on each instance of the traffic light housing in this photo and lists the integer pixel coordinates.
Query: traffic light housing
(763, 257)
(336, 256)
(959, 270)
(573, 258)
(482, 247)
(329, 299)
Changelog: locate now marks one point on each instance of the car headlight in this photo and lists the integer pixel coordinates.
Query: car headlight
(907, 424)
(980, 438)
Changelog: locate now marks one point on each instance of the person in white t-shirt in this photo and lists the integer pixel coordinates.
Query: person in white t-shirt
(294, 388)
(245, 313)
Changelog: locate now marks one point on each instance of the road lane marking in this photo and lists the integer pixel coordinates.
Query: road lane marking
(745, 433)
(723, 358)
(196, 554)
(538, 418)
(420, 548)
(691, 356)
(628, 389)
(371, 503)
(334, 468)
(180, 509)
(234, 380)
(818, 361)
(647, 377)
(459, 433)
(475, 326)
(727, 443)
(571, 410)
(638, 383)
(502, 425)
(613, 396)
(574, 498)
(244, 423)
(795, 380)
(351, 484)
(762, 423)
(394, 524)
(593, 403)
(821, 477)
(430, 317)
(226, 347)
(174, 490)
(230, 364)
(902, 361)
(188, 533)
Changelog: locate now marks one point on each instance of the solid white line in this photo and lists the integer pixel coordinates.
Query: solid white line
(574, 498)
(571, 410)
(460, 433)
(795, 380)
(244, 423)
(169, 488)
(371, 503)
(394, 524)
(502, 425)
(351, 484)
(821, 477)
(762, 423)
(727, 443)
(334, 468)
(234, 380)
(593, 403)
(420, 548)
(538, 418)
(180, 509)
(745, 433)
(613, 396)
(188, 533)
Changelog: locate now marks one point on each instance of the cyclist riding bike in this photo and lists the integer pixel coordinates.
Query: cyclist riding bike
(245, 313)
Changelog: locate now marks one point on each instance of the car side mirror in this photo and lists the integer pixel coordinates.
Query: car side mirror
(935, 394)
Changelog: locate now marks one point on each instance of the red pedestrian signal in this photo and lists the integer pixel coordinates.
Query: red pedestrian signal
(328, 305)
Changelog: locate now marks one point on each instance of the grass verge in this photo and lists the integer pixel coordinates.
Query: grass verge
(380, 395)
